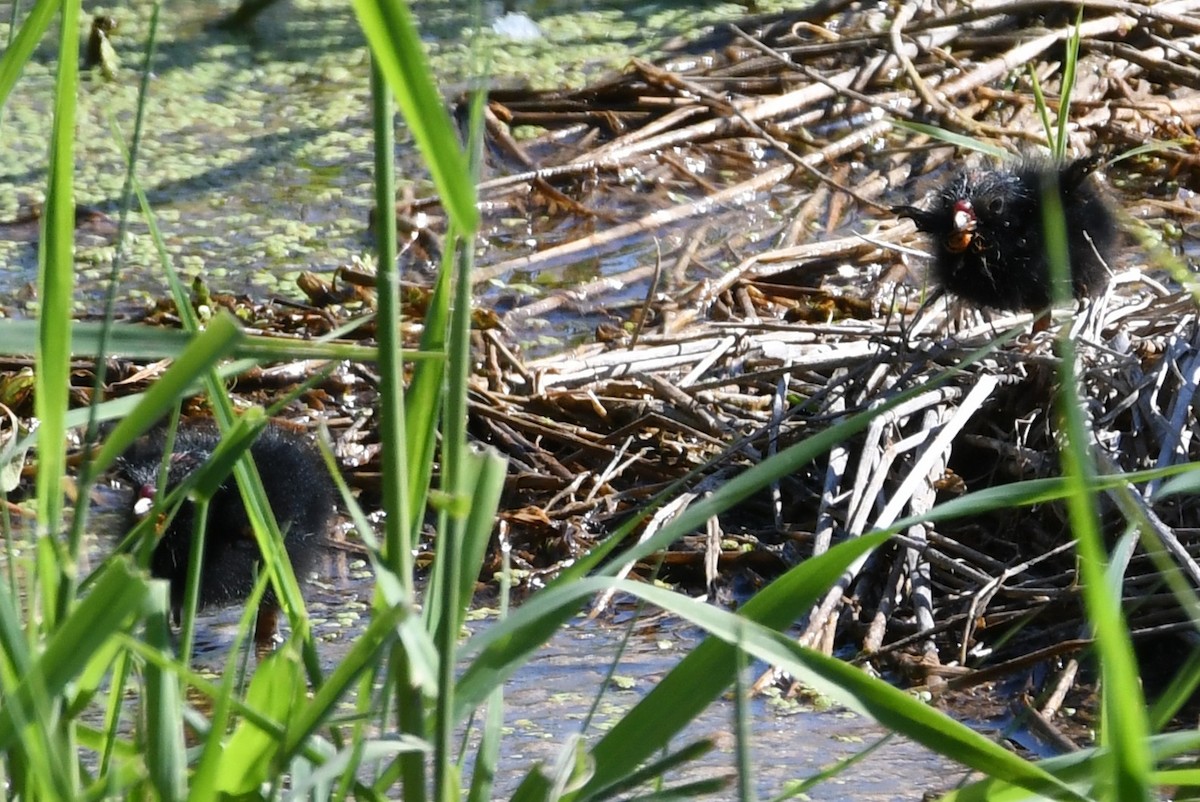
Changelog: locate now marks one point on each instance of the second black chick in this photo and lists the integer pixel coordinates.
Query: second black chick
(989, 240)
(297, 485)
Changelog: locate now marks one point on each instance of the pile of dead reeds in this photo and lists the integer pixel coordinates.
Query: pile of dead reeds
(708, 376)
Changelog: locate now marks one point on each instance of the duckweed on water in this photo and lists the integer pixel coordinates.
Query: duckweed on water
(249, 130)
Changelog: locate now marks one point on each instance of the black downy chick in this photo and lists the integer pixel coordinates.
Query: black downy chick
(296, 483)
(988, 235)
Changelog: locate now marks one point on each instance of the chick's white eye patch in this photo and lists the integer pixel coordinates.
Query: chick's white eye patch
(143, 505)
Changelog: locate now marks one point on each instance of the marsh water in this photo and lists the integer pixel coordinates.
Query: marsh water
(256, 158)
(548, 699)
(257, 164)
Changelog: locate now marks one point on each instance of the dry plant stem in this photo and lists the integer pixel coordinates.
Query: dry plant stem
(682, 402)
(782, 147)
(615, 468)
(1135, 507)
(1156, 59)
(878, 457)
(538, 428)
(499, 131)
(890, 596)
(720, 349)
(1169, 12)
(778, 410)
(793, 347)
(832, 493)
(982, 598)
(867, 485)
(566, 373)
(809, 212)
(932, 101)
(1149, 402)
(1063, 682)
(671, 509)
(869, 482)
(682, 170)
(895, 103)
(651, 292)
(565, 494)
(922, 597)
(917, 564)
(1174, 445)
(785, 259)
(620, 152)
(712, 556)
(1025, 661)
(546, 462)
(675, 276)
(930, 466)
(501, 348)
(971, 574)
(555, 256)
(902, 644)
(616, 236)
(1046, 728)
(1027, 52)
(581, 295)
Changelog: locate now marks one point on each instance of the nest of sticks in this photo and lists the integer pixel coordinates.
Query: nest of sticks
(816, 318)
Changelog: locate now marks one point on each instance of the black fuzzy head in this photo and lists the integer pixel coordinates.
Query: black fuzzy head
(989, 245)
(297, 486)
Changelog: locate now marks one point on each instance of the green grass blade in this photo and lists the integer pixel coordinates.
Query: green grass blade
(1125, 723)
(489, 470)
(701, 676)
(17, 55)
(35, 717)
(852, 687)
(378, 636)
(397, 46)
(1178, 693)
(487, 756)
(424, 396)
(19, 338)
(253, 753)
(741, 727)
(829, 771)
(166, 753)
(655, 769)
(473, 481)
(1078, 769)
(478, 479)
(116, 595)
(708, 670)
(398, 542)
(505, 645)
(402, 508)
(56, 276)
(204, 352)
(1070, 63)
(1039, 103)
(904, 714)
(951, 138)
